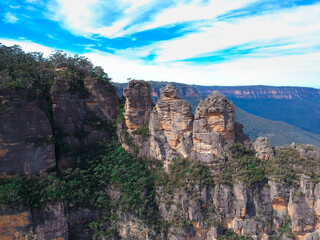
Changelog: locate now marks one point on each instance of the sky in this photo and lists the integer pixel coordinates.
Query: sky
(203, 42)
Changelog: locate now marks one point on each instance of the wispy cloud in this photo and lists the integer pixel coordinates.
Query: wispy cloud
(10, 18)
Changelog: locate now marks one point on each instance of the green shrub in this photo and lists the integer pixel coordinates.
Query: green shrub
(286, 166)
(229, 235)
(143, 132)
(183, 174)
(243, 166)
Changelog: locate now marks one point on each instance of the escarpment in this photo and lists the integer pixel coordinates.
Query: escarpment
(195, 177)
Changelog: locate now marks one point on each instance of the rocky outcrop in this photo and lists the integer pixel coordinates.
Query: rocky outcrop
(138, 104)
(213, 127)
(173, 129)
(133, 130)
(68, 111)
(26, 138)
(170, 127)
(263, 148)
(240, 136)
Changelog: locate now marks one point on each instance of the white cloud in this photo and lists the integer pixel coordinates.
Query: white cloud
(298, 70)
(86, 16)
(300, 25)
(194, 11)
(28, 46)
(15, 6)
(10, 18)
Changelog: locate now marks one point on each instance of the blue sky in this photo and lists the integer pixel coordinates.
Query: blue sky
(205, 42)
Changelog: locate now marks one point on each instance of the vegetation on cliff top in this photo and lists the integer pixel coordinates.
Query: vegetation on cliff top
(35, 73)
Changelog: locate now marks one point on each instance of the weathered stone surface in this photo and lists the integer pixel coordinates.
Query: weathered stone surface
(213, 127)
(223, 200)
(170, 126)
(138, 104)
(15, 222)
(317, 199)
(249, 227)
(241, 200)
(302, 215)
(130, 227)
(263, 148)
(213, 233)
(307, 188)
(306, 151)
(133, 130)
(50, 222)
(25, 135)
(72, 110)
(102, 100)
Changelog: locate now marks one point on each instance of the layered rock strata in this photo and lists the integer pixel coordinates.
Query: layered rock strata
(173, 129)
(138, 104)
(213, 127)
(133, 130)
(170, 127)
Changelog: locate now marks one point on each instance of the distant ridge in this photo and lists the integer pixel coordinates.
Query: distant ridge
(261, 92)
(279, 133)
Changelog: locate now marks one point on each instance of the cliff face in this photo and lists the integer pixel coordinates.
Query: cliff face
(81, 117)
(209, 187)
(25, 135)
(275, 210)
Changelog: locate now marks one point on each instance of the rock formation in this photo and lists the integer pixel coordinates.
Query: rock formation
(133, 130)
(170, 127)
(138, 104)
(263, 148)
(213, 127)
